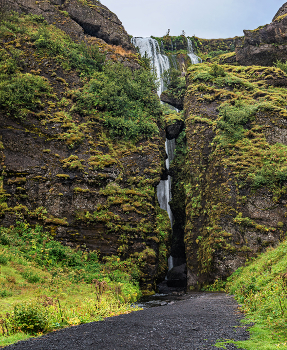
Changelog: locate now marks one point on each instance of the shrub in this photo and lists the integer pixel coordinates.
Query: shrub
(233, 121)
(5, 293)
(281, 65)
(128, 100)
(3, 259)
(30, 277)
(30, 317)
(22, 93)
(217, 71)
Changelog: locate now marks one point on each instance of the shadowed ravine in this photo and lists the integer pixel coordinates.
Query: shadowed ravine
(196, 322)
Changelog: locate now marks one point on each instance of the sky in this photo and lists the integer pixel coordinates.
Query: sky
(210, 19)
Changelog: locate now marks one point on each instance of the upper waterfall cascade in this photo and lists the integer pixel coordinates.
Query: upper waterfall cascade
(190, 53)
(159, 61)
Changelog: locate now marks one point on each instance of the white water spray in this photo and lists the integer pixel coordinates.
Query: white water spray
(190, 53)
(159, 61)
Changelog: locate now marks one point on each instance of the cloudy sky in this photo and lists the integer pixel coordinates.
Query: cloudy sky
(203, 18)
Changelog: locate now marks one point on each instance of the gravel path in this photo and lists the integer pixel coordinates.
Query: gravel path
(194, 324)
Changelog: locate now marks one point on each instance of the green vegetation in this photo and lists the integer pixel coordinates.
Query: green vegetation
(125, 98)
(261, 289)
(175, 83)
(21, 94)
(46, 286)
(281, 65)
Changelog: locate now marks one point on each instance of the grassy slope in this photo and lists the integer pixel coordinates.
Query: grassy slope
(261, 288)
(57, 286)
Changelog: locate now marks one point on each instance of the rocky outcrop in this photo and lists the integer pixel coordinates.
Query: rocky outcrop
(177, 43)
(173, 131)
(230, 168)
(209, 45)
(172, 99)
(78, 18)
(265, 45)
(281, 12)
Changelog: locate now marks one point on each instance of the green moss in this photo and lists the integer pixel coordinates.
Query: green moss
(240, 105)
(73, 162)
(63, 176)
(279, 18)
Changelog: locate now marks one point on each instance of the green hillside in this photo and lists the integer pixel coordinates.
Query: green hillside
(261, 289)
(45, 286)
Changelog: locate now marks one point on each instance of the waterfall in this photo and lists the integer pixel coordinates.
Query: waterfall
(190, 53)
(164, 187)
(159, 61)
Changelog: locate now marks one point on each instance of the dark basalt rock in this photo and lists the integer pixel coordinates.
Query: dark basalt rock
(265, 45)
(172, 100)
(172, 131)
(99, 22)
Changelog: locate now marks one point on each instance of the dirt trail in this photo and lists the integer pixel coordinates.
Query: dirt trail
(194, 324)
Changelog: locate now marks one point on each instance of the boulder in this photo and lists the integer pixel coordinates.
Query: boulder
(172, 100)
(172, 131)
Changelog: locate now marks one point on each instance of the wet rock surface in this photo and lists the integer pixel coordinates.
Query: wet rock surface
(172, 131)
(194, 324)
(172, 100)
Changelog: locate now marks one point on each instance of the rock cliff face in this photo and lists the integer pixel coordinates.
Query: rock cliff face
(70, 160)
(265, 45)
(230, 168)
(78, 18)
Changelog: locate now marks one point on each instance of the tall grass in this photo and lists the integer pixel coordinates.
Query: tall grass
(261, 289)
(46, 286)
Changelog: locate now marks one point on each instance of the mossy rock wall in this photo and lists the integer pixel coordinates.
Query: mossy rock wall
(233, 168)
(208, 45)
(70, 164)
